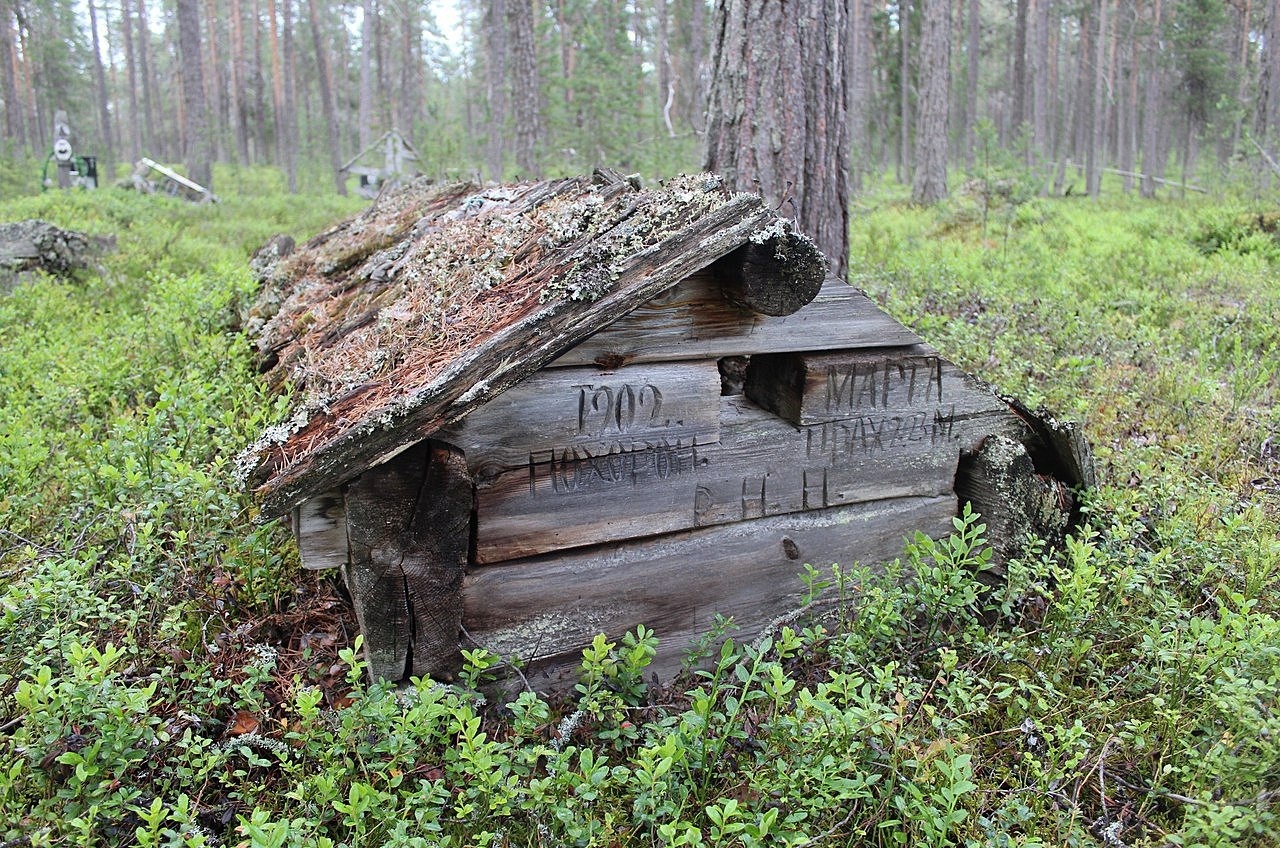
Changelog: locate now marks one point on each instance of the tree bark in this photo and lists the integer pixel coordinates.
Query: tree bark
(365, 110)
(131, 74)
(1268, 120)
(290, 99)
(904, 91)
(526, 87)
(1041, 91)
(105, 153)
(929, 184)
(777, 121)
(238, 86)
(144, 71)
(13, 124)
(859, 92)
(326, 98)
(973, 48)
(496, 85)
(1019, 85)
(195, 121)
(1094, 158)
(1153, 105)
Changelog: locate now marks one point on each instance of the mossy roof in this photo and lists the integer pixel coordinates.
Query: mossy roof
(437, 298)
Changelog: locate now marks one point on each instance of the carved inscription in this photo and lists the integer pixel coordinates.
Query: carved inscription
(618, 409)
(884, 384)
(839, 442)
(579, 469)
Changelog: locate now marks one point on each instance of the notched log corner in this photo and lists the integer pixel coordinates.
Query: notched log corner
(774, 278)
(1027, 489)
(408, 525)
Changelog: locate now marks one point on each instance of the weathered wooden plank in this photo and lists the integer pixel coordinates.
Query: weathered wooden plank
(544, 610)
(408, 524)
(764, 465)
(811, 388)
(761, 466)
(320, 526)
(570, 497)
(589, 412)
(694, 320)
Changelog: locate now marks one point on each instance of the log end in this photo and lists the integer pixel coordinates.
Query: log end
(774, 275)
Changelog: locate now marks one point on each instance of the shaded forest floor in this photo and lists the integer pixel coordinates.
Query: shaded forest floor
(170, 676)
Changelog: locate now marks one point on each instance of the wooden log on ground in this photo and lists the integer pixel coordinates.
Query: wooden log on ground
(543, 610)
(408, 523)
(694, 320)
(36, 245)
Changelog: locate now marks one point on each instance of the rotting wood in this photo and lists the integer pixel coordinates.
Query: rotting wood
(320, 526)
(36, 245)
(775, 277)
(545, 609)
(494, 364)
(695, 321)
(408, 525)
(1000, 480)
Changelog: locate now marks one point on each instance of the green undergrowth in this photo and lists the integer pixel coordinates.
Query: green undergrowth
(169, 675)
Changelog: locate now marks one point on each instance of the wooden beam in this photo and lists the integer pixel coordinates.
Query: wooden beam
(320, 526)
(544, 610)
(408, 525)
(694, 320)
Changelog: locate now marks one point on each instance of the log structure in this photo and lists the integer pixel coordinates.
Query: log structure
(527, 414)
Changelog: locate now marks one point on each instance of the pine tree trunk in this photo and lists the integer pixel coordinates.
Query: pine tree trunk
(973, 49)
(144, 71)
(859, 92)
(496, 85)
(1019, 84)
(290, 120)
(904, 92)
(238, 83)
(105, 153)
(215, 85)
(1096, 121)
(277, 80)
(526, 87)
(777, 121)
(1041, 114)
(13, 124)
(365, 115)
(195, 121)
(327, 104)
(131, 74)
(1152, 108)
(929, 185)
(409, 62)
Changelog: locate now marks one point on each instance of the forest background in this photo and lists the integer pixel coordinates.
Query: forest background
(518, 88)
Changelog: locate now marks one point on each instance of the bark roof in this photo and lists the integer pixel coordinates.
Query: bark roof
(436, 299)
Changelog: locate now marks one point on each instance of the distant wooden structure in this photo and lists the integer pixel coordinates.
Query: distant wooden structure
(399, 165)
(527, 414)
(150, 177)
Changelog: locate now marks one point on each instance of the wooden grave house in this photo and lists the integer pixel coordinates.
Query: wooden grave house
(526, 414)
